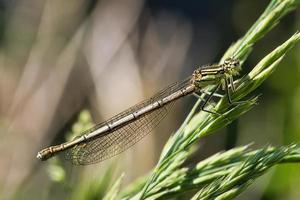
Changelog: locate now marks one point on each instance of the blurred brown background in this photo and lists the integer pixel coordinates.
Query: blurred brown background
(60, 57)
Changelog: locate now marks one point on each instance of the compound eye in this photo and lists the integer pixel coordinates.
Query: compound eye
(196, 72)
(236, 64)
(227, 61)
(231, 61)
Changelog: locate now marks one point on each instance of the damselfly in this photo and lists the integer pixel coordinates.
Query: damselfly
(127, 128)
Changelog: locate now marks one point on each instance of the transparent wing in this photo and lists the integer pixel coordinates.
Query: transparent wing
(115, 142)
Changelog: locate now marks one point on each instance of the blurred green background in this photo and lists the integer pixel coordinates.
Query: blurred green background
(85, 60)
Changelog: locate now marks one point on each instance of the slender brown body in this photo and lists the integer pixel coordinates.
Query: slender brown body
(108, 127)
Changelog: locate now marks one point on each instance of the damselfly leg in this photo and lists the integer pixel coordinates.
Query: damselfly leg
(227, 88)
(207, 100)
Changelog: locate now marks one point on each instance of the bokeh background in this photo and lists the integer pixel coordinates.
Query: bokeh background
(61, 61)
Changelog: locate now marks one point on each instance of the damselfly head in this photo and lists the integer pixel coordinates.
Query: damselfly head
(232, 66)
(197, 75)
